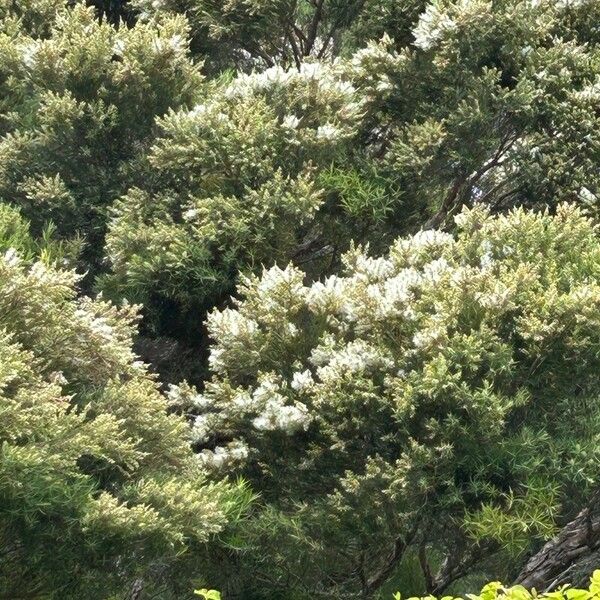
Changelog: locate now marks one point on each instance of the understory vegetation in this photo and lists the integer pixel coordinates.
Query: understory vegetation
(299, 299)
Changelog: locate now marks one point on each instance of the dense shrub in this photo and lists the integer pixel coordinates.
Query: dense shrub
(442, 396)
(97, 481)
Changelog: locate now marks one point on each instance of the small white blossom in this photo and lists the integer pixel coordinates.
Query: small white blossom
(432, 25)
(328, 132)
(302, 381)
(119, 47)
(29, 53)
(191, 214)
(11, 257)
(290, 122)
(282, 417)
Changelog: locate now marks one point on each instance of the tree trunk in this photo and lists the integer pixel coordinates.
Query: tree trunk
(570, 557)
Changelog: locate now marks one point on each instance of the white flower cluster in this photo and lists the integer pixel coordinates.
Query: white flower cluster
(29, 53)
(316, 73)
(381, 52)
(432, 25)
(234, 330)
(275, 413)
(335, 103)
(290, 122)
(203, 426)
(376, 269)
(370, 67)
(95, 324)
(282, 417)
(302, 381)
(356, 357)
(224, 456)
(176, 43)
(438, 20)
(591, 92)
(11, 257)
(411, 250)
(329, 133)
(328, 296)
(280, 282)
(427, 337)
(184, 395)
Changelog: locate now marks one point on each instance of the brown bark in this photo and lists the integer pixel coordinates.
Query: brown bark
(570, 556)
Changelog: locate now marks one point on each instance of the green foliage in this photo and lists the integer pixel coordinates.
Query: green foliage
(97, 481)
(15, 236)
(443, 395)
(496, 591)
(236, 188)
(405, 419)
(78, 101)
(517, 129)
(248, 34)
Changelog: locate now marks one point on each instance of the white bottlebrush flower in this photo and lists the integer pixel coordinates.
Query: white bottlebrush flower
(96, 325)
(277, 416)
(431, 238)
(202, 428)
(216, 359)
(329, 132)
(235, 452)
(374, 268)
(276, 280)
(229, 323)
(119, 47)
(356, 357)
(29, 53)
(434, 271)
(198, 110)
(214, 459)
(267, 390)
(432, 25)
(497, 299)
(238, 450)
(425, 338)
(290, 122)
(191, 214)
(439, 19)
(327, 296)
(302, 381)
(398, 289)
(11, 257)
(407, 250)
(177, 43)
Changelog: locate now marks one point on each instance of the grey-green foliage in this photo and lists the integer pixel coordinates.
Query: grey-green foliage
(98, 485)
(247, 34)
(281, 165)
(78, 100)
(444, 396)
(235, 186)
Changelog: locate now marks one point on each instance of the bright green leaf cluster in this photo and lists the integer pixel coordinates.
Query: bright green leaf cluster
(496, 591)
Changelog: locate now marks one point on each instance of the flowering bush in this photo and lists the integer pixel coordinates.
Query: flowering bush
(97, 481)
(429, 390)
(235, 188)
(78, 100)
